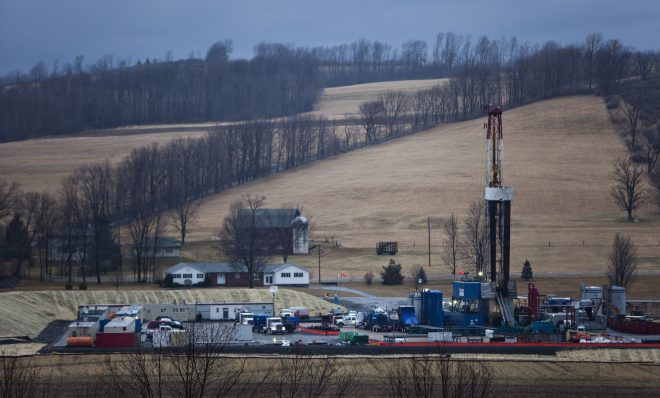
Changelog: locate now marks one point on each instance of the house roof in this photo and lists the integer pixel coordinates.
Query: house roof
(278, 267)
(228, 267)
(207, 267)
(164, 242)
(272, 218)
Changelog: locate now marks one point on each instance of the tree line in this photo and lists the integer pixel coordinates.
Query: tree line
(157, 185)
(283, 80)
(280, 80)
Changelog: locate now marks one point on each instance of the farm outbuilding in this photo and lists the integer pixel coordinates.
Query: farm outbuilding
(279, 230)
(162, 247)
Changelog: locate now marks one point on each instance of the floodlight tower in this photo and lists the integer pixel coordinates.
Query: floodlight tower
(498, 203)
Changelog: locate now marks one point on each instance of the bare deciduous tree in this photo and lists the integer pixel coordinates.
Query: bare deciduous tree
(474, 244)
(371, 113)
(240, 239)
(8, 192)
(301, 375)
(651, 148)
(395, 105)
(22, 378)
(195, 368)
(628, 191)
(632, 107)
(431, 376)
(183, 214)
(451, 243)
(623, 262)
(644, 62)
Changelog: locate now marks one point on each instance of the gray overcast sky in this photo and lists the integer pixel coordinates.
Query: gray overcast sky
(33, 30)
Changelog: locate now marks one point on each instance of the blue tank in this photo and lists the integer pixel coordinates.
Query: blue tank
(433, 308)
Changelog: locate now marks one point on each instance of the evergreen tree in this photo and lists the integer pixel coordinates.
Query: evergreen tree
(419, 275)
(527, 273)
(391, 274)
(17, 245)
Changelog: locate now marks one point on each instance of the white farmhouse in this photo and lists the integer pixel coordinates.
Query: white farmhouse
(287, 274)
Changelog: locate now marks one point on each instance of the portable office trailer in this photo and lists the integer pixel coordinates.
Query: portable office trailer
(179, 312)
(230, 311)
(225, 312)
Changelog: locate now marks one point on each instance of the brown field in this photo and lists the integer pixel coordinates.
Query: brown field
(559, 156)
(592, 373)
(41, 164)
(51, 159)
(335, 102)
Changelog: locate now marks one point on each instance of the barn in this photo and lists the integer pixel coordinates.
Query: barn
(280, 230)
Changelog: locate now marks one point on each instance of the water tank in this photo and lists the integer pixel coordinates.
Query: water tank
(593, 293)
(618, 299)
(83, 341)
(433, 308)
(419, 306)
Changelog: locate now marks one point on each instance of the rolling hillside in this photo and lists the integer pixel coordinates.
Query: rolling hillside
(558, 159)
(40, 164)
(558, 155)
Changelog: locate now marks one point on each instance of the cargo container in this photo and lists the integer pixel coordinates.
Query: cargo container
(466, 290)
(116, 340)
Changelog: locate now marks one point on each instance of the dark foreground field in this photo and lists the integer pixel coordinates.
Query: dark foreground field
(593, 374)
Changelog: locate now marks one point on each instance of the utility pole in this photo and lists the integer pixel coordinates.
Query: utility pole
(318, 251)
(428, 224)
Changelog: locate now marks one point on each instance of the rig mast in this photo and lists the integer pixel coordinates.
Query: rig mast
(498, 203)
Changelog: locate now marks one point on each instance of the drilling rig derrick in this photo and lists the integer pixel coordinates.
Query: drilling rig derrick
(498, 203)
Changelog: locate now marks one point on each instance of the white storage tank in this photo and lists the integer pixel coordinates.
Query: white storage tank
(592, 293)
(617, 296)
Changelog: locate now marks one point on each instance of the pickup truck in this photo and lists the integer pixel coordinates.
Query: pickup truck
(348, 320)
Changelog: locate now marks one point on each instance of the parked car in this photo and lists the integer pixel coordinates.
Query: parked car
(170, 323)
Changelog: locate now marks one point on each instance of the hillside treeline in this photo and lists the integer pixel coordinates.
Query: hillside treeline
(278, 81)
(534, 69)
(77, 230)
(283, 80)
